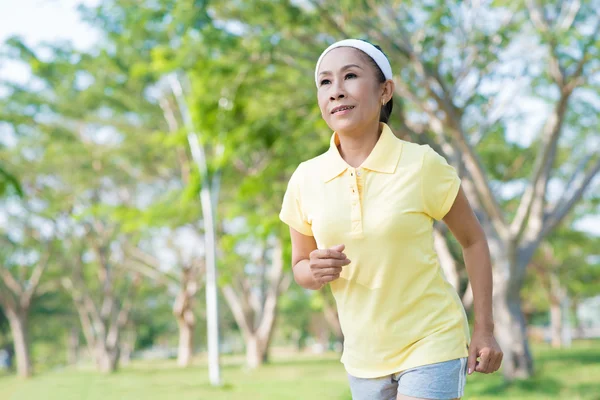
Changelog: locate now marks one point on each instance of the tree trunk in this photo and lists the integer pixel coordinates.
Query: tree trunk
(102, 321)
(73, 346)
(556, 317)
(186, 340)
(266, 338)
(509, 320)
(103, 345)
(257, 344)
(127, 347)
(579, 328)
(106, 359)
(559, 313)
(186, 321)
(511, 332)
(256, 319)
(255, 351)
(257, 332)
(20, 333)
(555, 323)
(566, 332)
(447, 261)
(331, 315)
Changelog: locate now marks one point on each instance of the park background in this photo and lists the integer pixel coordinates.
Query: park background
(146, 143)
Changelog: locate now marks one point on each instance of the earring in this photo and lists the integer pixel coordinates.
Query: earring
(382, 102)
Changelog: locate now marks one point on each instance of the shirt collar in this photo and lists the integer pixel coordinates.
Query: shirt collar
(383, 158)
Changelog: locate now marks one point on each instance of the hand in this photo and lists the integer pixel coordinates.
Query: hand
(484, 346)
(326, 265)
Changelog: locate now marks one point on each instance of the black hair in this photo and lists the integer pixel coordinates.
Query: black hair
(386, 110)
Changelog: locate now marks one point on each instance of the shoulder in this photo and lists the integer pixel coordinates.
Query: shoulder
(416, 148)
(414, 154)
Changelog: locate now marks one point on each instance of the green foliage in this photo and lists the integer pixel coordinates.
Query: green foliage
(570, 257)
(152, 318)
(295, 311)
(8, 182)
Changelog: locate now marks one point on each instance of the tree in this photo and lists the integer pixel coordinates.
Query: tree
(184, 280)
(85, 174)
(331, 315)
(176, 68)
(564, 269)
(253, 293)
(103, 293)
(26, 251)
(198, 94)
(22, 266)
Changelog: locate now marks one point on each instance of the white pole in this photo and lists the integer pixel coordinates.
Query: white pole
(208, 207)
(212, 306)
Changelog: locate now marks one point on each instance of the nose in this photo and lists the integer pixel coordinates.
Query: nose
(337, 91)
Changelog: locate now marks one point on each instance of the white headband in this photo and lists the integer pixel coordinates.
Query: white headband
(372, 51)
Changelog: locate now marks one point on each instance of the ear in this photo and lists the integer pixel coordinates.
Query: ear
(388, 90)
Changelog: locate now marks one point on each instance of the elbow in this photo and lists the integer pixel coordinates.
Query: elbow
(303, 276)
(297, 278)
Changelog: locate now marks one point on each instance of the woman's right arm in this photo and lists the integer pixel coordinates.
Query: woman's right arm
(314, 268)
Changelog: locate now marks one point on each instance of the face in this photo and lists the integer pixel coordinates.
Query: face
(349, 93)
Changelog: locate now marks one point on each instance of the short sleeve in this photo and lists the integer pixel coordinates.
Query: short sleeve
(292, 211)
(440, 185)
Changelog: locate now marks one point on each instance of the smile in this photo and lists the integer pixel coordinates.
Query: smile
(341, 109)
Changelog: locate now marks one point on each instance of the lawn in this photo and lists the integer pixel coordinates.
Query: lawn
(561, 374)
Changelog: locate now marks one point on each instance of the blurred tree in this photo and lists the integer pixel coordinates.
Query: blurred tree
(25, 255)
(252, 293)
(84, 170)
(8, 182)
(189, 268)
(331, 315)
(174, 43)
(207, 92)
(27, 249)
(294, 317)
(566, 271)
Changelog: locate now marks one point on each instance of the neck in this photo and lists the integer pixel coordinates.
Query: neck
(355, 146)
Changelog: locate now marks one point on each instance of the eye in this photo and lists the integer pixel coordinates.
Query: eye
(325, 82)
(350, 76)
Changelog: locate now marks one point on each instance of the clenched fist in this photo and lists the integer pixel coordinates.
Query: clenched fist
(326, 264)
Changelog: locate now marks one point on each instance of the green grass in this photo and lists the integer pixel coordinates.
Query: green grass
(570, 374)
(560, 374)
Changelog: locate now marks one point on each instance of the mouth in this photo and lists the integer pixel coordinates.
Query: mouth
(341, 109)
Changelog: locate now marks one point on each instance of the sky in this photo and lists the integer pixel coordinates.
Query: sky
(38, 21)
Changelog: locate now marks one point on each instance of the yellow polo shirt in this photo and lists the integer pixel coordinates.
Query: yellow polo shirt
(396, 308)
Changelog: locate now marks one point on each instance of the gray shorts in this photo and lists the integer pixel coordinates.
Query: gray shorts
(441, 381)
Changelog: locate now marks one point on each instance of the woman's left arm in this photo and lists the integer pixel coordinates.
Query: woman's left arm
(463, 224)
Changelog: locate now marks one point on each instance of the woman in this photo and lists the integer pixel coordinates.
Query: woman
(361, 220)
